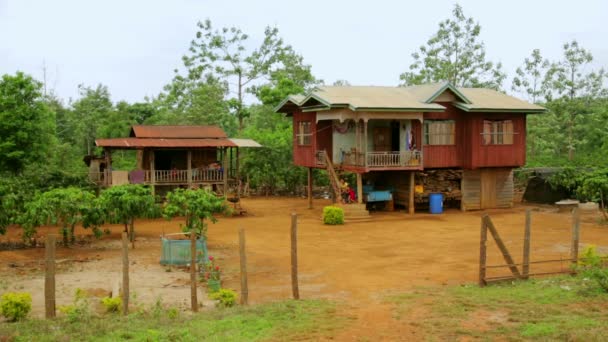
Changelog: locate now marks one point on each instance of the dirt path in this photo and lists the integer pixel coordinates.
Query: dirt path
(358, 263)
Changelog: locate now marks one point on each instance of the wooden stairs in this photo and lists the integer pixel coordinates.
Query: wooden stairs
(353, 212)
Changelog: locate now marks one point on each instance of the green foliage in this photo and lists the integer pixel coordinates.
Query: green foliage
(456, 55)
(27, 125)
(15, 306)
(585, 183)
(590, 257)
(593, 265)
(226, 298)
(112, 304)
(333, 215)
(124, 203)
(196, 206)
(530, 79)
(78, 311)
(65, 208)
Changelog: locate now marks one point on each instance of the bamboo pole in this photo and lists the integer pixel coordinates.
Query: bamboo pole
(576, 229)
(243, 255)
(411, 209)
(49, 278)
(125, 274)
(294, 256)
(483, 252)
(193, 299)
(359, 188)
(526, 258)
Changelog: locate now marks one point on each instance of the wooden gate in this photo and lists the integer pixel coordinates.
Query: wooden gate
(524, 273)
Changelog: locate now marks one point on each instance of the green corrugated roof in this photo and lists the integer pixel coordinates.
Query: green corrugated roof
(413, 98)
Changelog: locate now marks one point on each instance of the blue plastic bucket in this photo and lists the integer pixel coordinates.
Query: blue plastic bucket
(436, 203)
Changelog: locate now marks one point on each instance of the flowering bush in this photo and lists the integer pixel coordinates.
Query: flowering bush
(333, 215)
(15, 305)
(210, 270)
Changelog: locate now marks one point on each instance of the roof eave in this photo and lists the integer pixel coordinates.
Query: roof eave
(500, 110)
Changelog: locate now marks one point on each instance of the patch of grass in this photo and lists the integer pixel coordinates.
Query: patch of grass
(283, 320)
(564, 308)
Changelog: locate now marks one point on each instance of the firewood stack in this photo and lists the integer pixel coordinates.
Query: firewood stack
(444, 181)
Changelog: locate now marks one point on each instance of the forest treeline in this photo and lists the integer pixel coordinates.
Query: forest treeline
(225, 80)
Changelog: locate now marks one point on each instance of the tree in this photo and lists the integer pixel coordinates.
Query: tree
(196, 205)
(65, 207)
(26, 124)
(90, 111)
(223, 54)
(341, 83)
(575, 88)
(455, 54)
(531, 79)
(125, 203)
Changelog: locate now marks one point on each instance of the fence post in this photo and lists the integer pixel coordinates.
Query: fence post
(526, 259)
(125, 273)
(482, 252)
(294, 256)
(193, 299)
(576, 229)
(244, 286)
(49, 279)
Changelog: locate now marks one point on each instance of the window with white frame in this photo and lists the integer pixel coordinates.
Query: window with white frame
(303, 133)
(497, 132)
(439, 132)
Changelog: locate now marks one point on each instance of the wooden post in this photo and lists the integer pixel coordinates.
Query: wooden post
(109, 167)
(125, 274)
(238, 175)
(225, 172)
(576, 229)
(359, 188)
(193, 299)
(49, 278)
(505, 252)
(139, 159)
(411, 209)
(309, 190)
(526, 259)
(244, 286)
(189, 172)
(365, 142)
(294, 256)
(483, 252)
(152, 172)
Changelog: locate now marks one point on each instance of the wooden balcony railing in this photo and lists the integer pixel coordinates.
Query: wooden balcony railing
(181, 176)
(395, 159)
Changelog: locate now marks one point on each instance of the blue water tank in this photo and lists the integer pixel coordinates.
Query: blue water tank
(436, 203)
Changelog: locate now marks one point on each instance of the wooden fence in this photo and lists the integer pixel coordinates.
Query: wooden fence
(514, 268)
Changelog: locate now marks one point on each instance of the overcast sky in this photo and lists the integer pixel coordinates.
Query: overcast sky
(133, 46)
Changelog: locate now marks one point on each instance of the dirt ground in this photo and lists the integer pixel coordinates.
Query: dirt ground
(358, 263)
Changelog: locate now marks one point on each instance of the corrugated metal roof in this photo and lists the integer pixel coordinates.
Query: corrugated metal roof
(488, 99)
(127, 143)
(245, 142)
(407, 99)
(366, 97)
(177, 132)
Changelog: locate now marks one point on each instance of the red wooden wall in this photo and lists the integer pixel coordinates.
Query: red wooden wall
(496, 155)
(438, 156)
(304, 155)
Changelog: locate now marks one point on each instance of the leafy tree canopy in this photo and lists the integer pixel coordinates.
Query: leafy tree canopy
(455, 54)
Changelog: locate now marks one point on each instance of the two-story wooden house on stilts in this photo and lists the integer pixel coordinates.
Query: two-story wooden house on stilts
(463, 142)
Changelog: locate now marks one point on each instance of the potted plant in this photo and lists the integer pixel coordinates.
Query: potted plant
(212, 275)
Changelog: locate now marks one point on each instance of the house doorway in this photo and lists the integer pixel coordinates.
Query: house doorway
(395, 136)
(382, 139)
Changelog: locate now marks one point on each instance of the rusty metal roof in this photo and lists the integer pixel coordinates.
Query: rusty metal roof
(131, 143)
(177, 132)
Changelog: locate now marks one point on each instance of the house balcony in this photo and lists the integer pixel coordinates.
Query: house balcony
(160, 177)
(371, 161)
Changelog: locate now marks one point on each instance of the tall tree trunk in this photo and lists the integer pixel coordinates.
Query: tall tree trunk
(72, 235)
(64, 232)
(571, 137)
(132, 233)
(239, 113)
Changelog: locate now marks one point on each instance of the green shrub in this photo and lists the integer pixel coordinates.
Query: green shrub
(225, 297)
(15, 305)
(79, 310)
(590, 257)
(333, 215)
(592, 265)
(112, 304)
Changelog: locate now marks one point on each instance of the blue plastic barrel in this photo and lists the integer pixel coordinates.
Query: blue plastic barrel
(436, 203)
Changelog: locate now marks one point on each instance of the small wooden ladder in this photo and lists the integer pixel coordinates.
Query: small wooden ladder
(333, 178)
